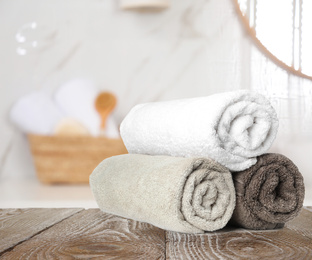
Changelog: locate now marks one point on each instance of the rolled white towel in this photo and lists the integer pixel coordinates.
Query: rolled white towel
(76, 100)
(35, 113)
(232, 128)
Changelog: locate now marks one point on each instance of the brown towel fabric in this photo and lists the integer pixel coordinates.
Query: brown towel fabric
(190, 195)
(268, 194)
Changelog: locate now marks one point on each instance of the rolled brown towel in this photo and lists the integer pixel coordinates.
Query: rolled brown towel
(268, 194)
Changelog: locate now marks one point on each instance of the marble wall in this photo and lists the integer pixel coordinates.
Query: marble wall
(193, 48)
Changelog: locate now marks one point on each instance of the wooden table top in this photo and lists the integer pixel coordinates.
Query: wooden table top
(87, 234)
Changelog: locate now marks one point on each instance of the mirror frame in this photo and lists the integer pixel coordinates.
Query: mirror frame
(252, 34)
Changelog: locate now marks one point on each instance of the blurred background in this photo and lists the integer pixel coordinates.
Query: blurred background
(58, 59)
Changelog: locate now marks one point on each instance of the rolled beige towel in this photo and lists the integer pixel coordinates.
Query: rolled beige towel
(189, 195)
(268, 194)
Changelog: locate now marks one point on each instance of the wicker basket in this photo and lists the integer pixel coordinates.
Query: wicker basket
(60, 159)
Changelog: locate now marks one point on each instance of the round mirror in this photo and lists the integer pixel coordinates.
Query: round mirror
(281, 29)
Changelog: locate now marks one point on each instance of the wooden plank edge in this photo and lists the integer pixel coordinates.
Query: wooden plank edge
(79, 210)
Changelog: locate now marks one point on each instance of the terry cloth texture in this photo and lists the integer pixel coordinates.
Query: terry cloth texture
(231, 128)
(268, 194)
(189, 195)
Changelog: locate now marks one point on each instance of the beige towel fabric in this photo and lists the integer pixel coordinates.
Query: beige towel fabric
(189, 195)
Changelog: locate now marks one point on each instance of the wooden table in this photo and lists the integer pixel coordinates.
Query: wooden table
(87, 234)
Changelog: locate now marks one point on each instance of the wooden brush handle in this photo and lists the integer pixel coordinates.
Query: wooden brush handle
(104, 104)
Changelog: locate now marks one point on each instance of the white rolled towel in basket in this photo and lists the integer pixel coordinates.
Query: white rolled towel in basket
(231, 128)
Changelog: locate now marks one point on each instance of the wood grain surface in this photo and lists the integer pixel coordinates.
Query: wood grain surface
(17, 225)
(302, 224)
(92, 234)
(292, 242)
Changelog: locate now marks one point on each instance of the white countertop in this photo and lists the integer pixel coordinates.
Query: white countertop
(30, 193)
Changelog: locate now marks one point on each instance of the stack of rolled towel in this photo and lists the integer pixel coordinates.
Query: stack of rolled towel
(195, 165)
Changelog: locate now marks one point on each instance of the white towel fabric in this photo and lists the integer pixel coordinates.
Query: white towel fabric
(35, 113)
(76, 100)
(232, 128)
